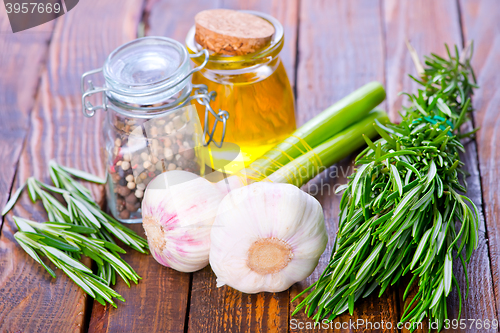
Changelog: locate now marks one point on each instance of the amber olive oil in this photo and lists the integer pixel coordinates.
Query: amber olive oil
(245, 71)
(261, 113)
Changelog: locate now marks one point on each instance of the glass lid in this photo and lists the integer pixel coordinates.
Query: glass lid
(146, 71)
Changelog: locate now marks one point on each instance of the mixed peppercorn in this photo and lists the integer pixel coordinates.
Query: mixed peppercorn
(143, 150)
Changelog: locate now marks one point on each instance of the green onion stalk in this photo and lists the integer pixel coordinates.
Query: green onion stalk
(403, 211)
(305, 167)
(343, 114)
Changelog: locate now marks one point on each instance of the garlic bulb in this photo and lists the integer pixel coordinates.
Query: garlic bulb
(266, 237)
(178, 211)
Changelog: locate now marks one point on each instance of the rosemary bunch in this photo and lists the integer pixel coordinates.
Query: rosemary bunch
(402, 211)
(83, 215)
(55, 240)
(83, 209)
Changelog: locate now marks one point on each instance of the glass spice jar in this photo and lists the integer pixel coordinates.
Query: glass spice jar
(151, 125)
(255, 87)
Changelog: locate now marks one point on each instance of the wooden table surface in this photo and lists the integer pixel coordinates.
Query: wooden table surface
(332, 48)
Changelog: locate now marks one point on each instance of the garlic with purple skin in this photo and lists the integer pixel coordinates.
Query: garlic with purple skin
(266, 237)
(178, 211)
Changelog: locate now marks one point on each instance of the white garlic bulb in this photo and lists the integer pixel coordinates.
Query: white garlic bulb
(178, 211)
(266, 237)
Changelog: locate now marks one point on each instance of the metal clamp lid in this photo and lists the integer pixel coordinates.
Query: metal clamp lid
(202, 96)
(87, 108)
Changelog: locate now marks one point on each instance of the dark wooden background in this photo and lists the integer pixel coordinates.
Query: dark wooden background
(332, 48)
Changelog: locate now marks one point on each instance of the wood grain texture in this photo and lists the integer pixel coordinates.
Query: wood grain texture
(163, 20)
(481, 23)
(31, 301)
(224, 309)
(173, 19)
(228, 310)
(428, 25)
(157, 304)
(340, 49)
(22, 57)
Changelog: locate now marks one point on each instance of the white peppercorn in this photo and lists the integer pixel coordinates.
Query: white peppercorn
(169, 128)
(178, 123)
(167, 142)
(169, 154)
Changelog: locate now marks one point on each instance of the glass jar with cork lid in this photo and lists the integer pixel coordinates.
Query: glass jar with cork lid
(151, 124)
(245, 71)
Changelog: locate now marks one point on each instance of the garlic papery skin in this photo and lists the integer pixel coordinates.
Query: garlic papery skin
(266, 237)
(178, 211)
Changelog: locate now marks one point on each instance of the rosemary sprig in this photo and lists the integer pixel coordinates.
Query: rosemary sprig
(54, 240)
(87, 212)
(401, 211)
(80, 211)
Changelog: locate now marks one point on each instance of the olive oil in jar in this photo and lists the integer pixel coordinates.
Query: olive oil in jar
(262, 113)
(254, 88)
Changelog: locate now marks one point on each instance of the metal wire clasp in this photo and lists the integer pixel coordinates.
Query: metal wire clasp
(204, 97)
(87, 108)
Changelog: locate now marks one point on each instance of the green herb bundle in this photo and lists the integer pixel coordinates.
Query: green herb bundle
(83, 210)
(62, 239)
(402, 211)
(62, 243)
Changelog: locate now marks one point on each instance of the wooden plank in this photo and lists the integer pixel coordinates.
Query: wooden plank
(228, 310)
(340, 49)
(157, 304)
(177, 26)
(31, 300)
(428, 25)
(224, 309)
(22, 56)
(174, 18)
(481, 23)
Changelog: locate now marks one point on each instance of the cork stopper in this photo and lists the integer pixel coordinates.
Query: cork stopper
(231, 32)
